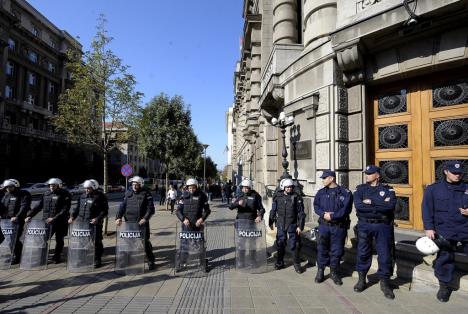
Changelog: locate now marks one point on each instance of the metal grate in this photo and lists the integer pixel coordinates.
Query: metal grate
(450, 94)
(402, 208)
(451, 132)
(393, 103)
(394, 171)
(395, 136)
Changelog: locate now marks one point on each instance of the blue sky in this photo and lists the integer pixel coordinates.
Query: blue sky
(188, 48)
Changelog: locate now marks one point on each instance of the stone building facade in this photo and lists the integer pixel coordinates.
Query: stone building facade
(32, 59)
(367, 81)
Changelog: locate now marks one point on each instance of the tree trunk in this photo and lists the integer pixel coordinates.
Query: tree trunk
(167, 188)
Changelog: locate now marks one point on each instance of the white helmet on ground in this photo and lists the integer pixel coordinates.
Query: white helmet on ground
(11, 182)
(91, 184)
(138, 180)
(191, 181)
(246, 183)
(55, 181)
(287, 182)
(426, 246)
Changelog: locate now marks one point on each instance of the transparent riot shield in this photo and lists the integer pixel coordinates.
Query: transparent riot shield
(251, 255)
(9, 231)
(130, 249)
(81, 235)
(190, 259)
(35, 245)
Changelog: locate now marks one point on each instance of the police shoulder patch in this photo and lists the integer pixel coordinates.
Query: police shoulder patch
(382, 193)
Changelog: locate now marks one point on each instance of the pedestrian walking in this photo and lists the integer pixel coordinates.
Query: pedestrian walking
(445, 218)
(171, 197)
(162, 195)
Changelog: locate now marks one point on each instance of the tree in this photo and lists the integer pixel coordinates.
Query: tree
(165, 133)
(101, 99)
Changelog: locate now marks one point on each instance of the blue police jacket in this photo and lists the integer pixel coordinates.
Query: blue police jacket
(338, 201)
(440, 207)
(383, 201)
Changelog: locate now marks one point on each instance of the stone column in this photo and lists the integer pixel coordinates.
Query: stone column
(319, 19)
(284, 22)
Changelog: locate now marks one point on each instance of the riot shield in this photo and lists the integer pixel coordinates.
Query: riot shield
(81, 235)
(190, 259)
(130, 249)
(9, 231)
(35, 245)
(251, 255)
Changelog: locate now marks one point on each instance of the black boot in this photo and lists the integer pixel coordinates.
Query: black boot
(97, 262)
(151, 265)
(335, 277)
(443, 295)
(361, 284)
(320, 277)
(386, 289)
(279, 259)
(297, 260)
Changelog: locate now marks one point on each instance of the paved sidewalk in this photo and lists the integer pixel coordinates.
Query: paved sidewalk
(223, 290)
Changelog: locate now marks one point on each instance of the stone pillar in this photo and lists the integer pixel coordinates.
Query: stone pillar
(284, 22)
(319, 19)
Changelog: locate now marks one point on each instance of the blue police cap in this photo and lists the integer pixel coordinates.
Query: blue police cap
(454, 166)
(328, 173)
(370, 169)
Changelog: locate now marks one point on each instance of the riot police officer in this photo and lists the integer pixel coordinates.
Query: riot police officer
(333, 204)
(138, 206)
(55, 205)
(375, 206)
(193, 208)
(249, 206)
(92, 206)
(14, 205)
(288, 212)
(445, 216)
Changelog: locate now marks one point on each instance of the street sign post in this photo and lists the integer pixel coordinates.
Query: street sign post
(126, 171)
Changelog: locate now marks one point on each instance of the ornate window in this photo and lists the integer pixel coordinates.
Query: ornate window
(450, 94)
(394, 171)
(393, 136)
(402, 208)
(393, 103)
(452, 132)
(439, 169)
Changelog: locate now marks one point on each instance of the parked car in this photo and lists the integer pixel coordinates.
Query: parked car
(77, 190)
(36, 188)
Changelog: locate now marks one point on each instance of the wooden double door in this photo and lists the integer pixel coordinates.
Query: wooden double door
(417, 126)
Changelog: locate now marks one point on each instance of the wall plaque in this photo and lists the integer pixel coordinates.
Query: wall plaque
(303, 150)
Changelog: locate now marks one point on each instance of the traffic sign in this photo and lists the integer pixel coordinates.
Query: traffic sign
(126, 170)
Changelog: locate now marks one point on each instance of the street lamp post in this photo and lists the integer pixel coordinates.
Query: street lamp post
(205, 146)
(282, 122)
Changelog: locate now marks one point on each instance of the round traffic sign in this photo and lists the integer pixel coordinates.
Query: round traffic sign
(126, 170)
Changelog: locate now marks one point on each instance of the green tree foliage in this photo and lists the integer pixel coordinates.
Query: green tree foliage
(101, 99)
(167, 135)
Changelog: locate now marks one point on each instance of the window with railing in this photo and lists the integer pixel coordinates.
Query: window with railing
(11, 44)
(32, 79)
(35, 30)
(30, 99)
(32, 56)
(51, 67)
(10, 68)
(9, 92)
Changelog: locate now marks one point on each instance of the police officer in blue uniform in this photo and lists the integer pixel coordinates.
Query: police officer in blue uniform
(55, 205)
(288, 213)
(193, 210)
(138, 206)
(14, 205)
(375, 206)
(92, 206)
(445, 215)
(333, 204)
(249, 206)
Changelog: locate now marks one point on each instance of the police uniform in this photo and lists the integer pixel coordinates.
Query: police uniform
(250, 209)
(192, 206)
(90, 206)
(332, 234)
(16, 204)
(55, 204)
(136, 206)
(441, 212)
(288, 212)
